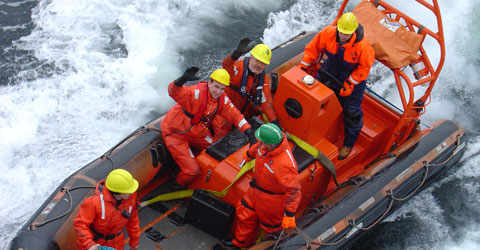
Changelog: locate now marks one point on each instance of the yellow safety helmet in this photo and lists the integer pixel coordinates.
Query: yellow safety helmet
(221, 76)
(121, 181)
(262, 52)
(347, 24)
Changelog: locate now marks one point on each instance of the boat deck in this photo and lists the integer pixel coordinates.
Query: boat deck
(163, 228)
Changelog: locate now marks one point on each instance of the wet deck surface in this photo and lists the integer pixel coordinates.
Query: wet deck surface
(176, 235)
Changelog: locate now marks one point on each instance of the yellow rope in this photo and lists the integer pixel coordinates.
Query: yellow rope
(189, 192)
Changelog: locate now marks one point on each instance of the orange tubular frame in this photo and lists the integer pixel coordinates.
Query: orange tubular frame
(412, 111)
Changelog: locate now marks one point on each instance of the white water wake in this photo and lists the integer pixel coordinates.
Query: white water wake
(52, 126)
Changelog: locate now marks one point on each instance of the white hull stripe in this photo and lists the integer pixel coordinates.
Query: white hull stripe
(102, 203)
(268, 167)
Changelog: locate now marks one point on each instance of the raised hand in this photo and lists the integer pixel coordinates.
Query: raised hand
(188, 75)
(242, 48)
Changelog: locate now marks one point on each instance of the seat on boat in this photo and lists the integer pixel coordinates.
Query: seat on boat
(302, 157)
(227, 145)
(394, 45)
(231, 142)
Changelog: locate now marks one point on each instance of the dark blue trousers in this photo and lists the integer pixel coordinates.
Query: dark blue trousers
(352, 114)
(352, 110)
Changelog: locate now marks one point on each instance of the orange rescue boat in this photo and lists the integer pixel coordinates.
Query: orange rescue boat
(394, 157)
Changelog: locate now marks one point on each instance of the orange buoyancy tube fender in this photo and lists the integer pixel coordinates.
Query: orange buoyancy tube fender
(357, 51)
(237, 71)
(101, 220)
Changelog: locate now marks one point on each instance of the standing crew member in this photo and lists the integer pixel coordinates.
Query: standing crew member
(274, 194)
(203, 114)
(344, 53)
(250, 87)
(102, 217)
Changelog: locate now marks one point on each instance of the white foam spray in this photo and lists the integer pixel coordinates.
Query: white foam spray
(52, 126)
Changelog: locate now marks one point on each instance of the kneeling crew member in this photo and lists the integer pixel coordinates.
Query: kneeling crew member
(102, 217)
(250, 87)
(348, 56)
(203, 114)
(274, 193)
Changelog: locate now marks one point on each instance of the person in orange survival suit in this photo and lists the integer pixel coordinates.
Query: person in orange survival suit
(345, 54)
(203, 114)
(274, 194)
(102, 217)
(250, 87)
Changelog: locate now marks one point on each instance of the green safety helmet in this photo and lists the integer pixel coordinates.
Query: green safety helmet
(347, 24)
(121, 181)
(269, 133)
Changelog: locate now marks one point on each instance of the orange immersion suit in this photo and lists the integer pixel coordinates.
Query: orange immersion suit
(274, 192)
(197, 120)
(256, 94)
(356, 59)
(101, 219)
(350, 63)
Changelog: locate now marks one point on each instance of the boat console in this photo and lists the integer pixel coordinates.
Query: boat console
(309, 110)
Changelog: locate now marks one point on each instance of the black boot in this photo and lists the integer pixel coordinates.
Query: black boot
(272, 236)
(229, 244)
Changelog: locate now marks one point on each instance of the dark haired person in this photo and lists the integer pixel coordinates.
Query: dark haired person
(102, 217)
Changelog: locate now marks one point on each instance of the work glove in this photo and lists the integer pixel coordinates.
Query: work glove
(288, 222)
(188, 75)
(241, 49)
(308, 69)
(251, 136)
(347, 88)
